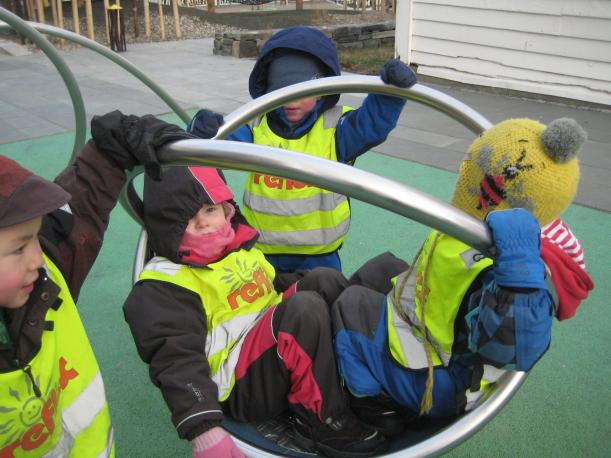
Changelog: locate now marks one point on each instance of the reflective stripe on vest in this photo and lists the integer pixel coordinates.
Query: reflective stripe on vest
(234, 293)
(292, 217)
(453, 267)
(71, 417)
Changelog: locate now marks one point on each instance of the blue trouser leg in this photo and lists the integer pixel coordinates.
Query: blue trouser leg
(364, 360)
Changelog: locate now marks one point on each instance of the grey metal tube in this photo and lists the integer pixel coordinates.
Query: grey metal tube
(447, 438)
(370, 84)
(425, 95)
(117, 59)
(28, 30)
(340, 178)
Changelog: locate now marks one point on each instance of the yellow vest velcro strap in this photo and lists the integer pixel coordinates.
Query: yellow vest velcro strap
(293, 207)
(311, 237)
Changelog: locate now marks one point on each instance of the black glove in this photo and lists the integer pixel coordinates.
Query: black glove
(131, 140)
(205, 123)
(398, 74)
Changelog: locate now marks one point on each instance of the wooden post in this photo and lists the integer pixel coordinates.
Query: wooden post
(176, 18)
(76, 26)
(31, 7)
(60, 14)
(161, 21)
(298, 4)
(54, 12)
(40, 11)
(211, 6)
(89, 18)
(136, 21)
(106, 25)
(147, 19)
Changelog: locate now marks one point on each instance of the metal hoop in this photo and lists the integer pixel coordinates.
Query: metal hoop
(358, 184)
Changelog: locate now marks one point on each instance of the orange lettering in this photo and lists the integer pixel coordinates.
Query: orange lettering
(65, 375)
(48, 410)
(261, 280)
(33, 437)
(273, 182)
(7, 452)
(248, 292)
(232, 299)
(290, 184)
(256, 178)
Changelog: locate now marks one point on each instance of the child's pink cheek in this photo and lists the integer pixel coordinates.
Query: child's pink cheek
(10, 285)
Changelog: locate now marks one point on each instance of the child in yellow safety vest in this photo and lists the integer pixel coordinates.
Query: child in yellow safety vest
(53, 398)
(428, 338)
(301, 226)
(218, 337)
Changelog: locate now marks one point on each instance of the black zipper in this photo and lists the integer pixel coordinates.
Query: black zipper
(28, 371)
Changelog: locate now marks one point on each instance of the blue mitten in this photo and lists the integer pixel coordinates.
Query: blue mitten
(205, 123)
(517, 238)
(398, 74)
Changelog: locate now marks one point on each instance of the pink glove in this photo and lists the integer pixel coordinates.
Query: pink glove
(215, 443)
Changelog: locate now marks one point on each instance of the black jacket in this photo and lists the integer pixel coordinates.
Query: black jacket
(168, 322)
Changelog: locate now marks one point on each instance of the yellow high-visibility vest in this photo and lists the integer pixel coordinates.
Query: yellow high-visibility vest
(70, 418)
(235, 293)
(445, 270)
(292, 217)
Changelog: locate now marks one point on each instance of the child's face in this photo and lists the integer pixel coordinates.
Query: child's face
(296, 111)
(209, 218)
(20, 259)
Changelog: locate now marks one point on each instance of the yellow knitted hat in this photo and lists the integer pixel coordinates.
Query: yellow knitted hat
(520, 163)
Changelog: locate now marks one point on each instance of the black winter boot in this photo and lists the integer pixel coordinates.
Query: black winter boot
(382, 413)
(342, 437)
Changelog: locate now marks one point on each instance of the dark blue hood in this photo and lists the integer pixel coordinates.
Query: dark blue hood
(304, 39)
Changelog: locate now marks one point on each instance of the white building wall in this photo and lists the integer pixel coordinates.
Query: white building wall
(554, 47)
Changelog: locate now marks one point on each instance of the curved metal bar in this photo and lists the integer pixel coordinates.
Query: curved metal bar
(447, 438)
(470, 423)
(340, 178)
(117, 59)
(354, 83)
(28, 30)
(371, 84)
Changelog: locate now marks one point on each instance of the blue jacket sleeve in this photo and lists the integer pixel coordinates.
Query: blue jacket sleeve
(362, 129)
(242, 134)
(509, 328)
